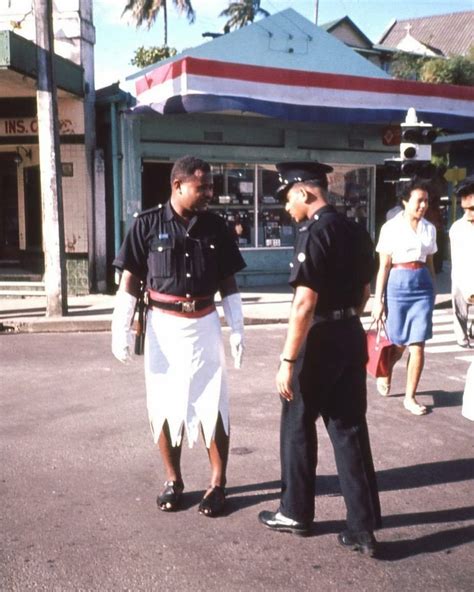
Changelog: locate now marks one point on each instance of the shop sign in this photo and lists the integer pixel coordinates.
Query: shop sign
(391, 135)
(29, 127)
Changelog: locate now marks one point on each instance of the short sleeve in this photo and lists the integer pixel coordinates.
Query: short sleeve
(433, 247)
(309, 264)
(385, 243)
(133, 253)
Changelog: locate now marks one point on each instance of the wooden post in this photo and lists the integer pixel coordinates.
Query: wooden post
(50, 164)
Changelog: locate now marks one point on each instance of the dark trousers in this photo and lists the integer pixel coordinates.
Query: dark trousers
(330, 381)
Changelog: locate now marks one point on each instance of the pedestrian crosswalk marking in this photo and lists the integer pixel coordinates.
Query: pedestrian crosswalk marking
(443, 340)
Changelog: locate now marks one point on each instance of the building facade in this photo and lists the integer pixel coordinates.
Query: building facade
(280, 89)
(21, 244)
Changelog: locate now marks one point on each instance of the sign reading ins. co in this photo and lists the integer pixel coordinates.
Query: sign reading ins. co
(29, 127)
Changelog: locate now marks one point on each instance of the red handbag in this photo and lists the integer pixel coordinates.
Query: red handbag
(379, 349)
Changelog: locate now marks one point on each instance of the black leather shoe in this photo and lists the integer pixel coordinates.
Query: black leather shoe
(276, 521)
(363, 541)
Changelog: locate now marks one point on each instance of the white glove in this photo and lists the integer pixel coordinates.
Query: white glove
(234, 317)
(122, 334)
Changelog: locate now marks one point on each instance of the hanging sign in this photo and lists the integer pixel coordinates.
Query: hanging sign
(391, 135)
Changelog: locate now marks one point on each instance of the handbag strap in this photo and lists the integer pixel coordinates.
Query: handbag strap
(380, 327)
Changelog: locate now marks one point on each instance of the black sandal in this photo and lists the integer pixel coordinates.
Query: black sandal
(213, 503)
(169, 499)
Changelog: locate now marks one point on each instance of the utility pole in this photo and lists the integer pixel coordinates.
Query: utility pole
(50, 164)
(316, 3)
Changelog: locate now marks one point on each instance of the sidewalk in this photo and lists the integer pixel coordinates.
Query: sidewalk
(261, 305)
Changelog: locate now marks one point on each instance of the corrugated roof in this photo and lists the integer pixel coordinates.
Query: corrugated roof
(450, 34)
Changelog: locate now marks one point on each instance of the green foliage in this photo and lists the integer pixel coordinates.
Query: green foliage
(241, 13)
(454, 70)
(407, 66)
(145, 56)
(146, 11)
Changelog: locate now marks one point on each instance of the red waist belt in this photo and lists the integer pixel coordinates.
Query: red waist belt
(409, 265)
(181, 306)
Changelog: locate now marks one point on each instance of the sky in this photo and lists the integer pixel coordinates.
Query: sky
(117, 38)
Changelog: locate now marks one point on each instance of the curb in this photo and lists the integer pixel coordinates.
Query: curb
(64, 325)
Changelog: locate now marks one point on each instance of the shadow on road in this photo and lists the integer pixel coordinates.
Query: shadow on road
(422, 475)
(446, 399)
(443, 540)
(440, 398)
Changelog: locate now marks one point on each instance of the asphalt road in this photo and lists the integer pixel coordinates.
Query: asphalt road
(79, 478)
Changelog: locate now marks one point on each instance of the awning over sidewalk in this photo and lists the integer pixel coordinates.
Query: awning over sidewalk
(192, 85)
(18, 70)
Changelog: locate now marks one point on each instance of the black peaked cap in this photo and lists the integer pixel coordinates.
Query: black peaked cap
(295, 172)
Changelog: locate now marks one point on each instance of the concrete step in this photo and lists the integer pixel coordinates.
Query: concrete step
(20, 289)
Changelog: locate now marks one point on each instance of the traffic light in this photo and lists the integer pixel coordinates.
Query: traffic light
(391, 170)
(415, 147)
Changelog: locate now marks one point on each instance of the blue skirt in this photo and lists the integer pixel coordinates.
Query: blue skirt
(409, 302)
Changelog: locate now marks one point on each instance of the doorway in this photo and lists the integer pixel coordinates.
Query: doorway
(156, 186)
(33, 216)
(9, 224)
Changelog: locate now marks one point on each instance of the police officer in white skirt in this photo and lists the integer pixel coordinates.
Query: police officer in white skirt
(183, 254)
(404, 290)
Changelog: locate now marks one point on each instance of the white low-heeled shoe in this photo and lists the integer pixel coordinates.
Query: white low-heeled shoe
(413, 407)
(383, 386)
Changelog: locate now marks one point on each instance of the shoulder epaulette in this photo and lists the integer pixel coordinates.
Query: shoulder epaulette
(149, 211)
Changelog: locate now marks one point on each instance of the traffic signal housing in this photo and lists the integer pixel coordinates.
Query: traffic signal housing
(392, 168)
(415, 147)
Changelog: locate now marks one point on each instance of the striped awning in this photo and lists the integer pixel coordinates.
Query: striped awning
(194, 85)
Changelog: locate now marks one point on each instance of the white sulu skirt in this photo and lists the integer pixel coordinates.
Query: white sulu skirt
(185, 376)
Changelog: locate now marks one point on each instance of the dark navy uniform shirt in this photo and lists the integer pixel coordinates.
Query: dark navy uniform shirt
(174, 258)
(334, 256)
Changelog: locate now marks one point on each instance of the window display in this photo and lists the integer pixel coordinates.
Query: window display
(244, 195)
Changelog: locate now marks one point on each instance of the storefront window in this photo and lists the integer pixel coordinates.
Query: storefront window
(244, 195)
(349, 189)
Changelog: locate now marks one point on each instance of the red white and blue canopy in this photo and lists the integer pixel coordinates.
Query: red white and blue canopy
(195, 85)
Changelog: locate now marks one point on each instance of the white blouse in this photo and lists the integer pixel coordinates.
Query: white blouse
(461, 235)
(403, 244)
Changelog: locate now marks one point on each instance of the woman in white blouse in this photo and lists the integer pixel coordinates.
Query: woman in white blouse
(404, 289)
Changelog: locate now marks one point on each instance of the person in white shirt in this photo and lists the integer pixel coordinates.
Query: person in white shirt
(404, 289)
(461, 236)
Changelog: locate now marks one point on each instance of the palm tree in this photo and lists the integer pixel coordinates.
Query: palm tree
(242, 13)
(146, 11)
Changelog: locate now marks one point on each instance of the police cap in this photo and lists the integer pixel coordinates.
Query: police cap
(465, 187)
(295, 172)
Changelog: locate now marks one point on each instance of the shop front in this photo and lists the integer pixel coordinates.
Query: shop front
(244, 195)
(278, 90)
(22, 252)
(245, 178)
(21, 234)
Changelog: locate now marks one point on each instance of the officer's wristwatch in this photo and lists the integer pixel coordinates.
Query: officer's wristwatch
(288, 360)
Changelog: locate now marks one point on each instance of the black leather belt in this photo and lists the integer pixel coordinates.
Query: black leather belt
(182, 306)
(336, 315)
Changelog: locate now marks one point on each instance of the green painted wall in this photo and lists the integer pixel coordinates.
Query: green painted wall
(241, 139)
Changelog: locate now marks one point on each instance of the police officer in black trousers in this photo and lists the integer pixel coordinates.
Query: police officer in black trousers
(322, 366)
